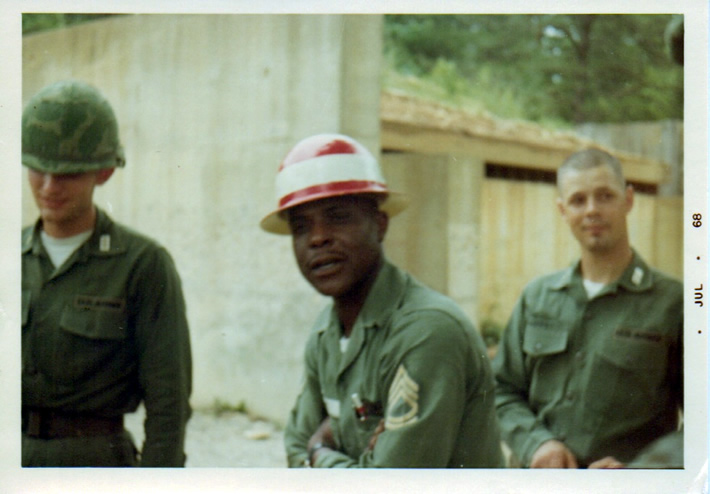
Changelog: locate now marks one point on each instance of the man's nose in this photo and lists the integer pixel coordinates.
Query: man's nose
(319, 234)
(48, 182)
(592, 205)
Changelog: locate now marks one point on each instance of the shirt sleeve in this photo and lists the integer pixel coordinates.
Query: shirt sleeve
(307, 414)
(164, 356)
(521, 430)
(425, 369)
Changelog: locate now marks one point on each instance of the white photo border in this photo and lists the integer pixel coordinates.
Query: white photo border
(16, 479)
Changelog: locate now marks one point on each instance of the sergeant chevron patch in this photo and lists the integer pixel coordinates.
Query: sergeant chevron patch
(403, 401)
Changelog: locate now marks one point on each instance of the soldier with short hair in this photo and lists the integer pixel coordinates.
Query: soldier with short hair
(396, 375)
(589, 372)
(103, 317)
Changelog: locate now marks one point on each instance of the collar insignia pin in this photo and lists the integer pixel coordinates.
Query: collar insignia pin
(105, 243)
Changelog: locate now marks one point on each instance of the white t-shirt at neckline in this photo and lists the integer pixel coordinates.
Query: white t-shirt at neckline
(59, 249)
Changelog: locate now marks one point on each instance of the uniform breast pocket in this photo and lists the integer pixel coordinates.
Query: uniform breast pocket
(365, 427)
(544, 344)
(358, 426)
(95, 324)
(626, 371)
(88, 341)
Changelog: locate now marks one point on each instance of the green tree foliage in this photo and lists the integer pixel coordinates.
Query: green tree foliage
(553, 69)
(548, 68)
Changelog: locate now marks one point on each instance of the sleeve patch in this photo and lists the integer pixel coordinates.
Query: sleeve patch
(403, 401)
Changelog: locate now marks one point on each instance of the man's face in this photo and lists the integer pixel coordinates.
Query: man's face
(594, 204)
(337, 244)
(65, 200)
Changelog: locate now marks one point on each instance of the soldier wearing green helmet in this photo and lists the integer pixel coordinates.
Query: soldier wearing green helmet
(104, 327)
(69, 127)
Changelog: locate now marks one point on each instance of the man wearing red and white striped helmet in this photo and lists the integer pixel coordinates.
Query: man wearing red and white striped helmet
(396, 375)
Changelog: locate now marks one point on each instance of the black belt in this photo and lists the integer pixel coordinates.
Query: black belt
(49, 424)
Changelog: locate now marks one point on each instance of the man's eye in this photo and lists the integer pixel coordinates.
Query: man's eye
(68, 176)
(339, 215)
(297, 227)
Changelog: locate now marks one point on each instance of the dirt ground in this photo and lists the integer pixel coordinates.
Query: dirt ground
(228, 439)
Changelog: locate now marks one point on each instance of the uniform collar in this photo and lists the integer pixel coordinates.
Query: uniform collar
(104, 241)
(637, 277)
(566, 276)
(384, 296)
(31, 240)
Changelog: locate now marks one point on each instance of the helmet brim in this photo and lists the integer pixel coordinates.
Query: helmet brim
(45, 165)
(276, 222)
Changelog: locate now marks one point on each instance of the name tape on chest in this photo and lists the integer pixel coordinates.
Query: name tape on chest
(92, 302)
(638, 335)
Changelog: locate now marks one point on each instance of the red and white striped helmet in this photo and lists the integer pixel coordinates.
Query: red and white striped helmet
(328, 165)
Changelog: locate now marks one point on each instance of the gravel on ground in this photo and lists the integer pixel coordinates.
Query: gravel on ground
(224, 439)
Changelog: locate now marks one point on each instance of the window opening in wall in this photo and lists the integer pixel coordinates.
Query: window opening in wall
(524, 174)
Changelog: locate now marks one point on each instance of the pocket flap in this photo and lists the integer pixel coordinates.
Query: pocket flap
(631, 353)
(544, 339)
(94, 324)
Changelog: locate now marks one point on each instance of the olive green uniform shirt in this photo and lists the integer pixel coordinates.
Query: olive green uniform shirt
(604, 376)
(105, 331)
(414, 360)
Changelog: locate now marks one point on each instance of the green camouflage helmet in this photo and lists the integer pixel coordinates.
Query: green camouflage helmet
(69, 127)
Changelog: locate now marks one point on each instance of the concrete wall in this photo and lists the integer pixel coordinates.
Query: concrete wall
(207, 107)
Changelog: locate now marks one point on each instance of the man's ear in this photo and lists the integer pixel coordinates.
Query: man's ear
(103, 175)
(382, 223)
(560, 206)
(629, 197)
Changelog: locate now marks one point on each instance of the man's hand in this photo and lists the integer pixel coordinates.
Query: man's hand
(378, 430)
(324, 436)
(553, 454)
(607, 462)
